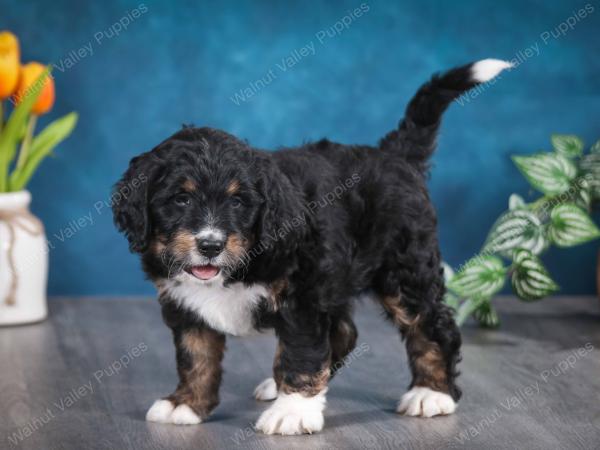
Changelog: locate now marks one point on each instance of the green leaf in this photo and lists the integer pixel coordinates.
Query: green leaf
(570, 225)
(530, 279)
(567, 145)
(486, 315)
(583, 194)
(519, 228)
(482, 276)
(12, 132)
(451, 300)
(41, 146)
(596, 147)
(515, 201)
(548, 172)
(467, 308)
(590, 168)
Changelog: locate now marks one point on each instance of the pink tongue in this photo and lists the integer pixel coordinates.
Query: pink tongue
(205, 272)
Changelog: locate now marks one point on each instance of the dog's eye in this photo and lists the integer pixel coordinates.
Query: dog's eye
(182, 199)
(236, 202)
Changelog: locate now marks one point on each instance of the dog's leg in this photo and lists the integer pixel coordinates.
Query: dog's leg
(432, 345)
(199, 355)
(301, 371)
(342, 338)
(426, 323)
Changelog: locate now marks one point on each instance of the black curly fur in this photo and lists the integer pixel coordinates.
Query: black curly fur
(331, 220)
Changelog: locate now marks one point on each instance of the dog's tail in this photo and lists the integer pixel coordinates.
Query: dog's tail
(415, 138)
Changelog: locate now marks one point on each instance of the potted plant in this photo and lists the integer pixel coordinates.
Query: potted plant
(29, 89)
(569, 180)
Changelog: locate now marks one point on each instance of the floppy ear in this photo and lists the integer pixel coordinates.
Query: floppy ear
(130, 201)
(284, 215)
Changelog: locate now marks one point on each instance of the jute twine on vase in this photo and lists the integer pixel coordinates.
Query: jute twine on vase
(24, 220)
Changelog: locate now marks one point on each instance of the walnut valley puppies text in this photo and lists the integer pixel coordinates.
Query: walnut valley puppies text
(100, 37)
(298, 54)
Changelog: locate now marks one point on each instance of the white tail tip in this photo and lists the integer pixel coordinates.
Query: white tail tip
(486, 69)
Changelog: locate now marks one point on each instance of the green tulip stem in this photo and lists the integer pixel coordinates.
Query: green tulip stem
(26, 144)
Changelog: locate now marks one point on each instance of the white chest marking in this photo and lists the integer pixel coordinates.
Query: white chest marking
(226, 309)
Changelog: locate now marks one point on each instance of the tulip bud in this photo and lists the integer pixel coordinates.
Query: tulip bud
(9, 63)
(29, 84)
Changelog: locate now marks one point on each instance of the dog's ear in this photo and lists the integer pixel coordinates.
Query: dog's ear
(130, 201)
(284, 216)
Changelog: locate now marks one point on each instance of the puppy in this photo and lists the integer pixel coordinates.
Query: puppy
(238, 240)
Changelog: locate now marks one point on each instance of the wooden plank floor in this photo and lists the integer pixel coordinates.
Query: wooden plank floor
(84, 379)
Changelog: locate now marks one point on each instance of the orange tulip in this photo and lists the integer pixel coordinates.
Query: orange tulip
(28, 84)
(9, 63)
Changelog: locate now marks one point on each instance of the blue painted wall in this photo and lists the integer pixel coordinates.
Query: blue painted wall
(181, 62)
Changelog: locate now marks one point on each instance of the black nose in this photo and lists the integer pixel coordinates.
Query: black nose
(210, 247)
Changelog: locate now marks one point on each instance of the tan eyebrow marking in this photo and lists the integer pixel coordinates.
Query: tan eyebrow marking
(189, 186)
(233, 187)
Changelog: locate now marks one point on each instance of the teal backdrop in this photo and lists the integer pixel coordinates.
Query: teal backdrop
(280, 73)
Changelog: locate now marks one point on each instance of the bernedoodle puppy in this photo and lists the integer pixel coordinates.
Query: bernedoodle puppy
(239, 240)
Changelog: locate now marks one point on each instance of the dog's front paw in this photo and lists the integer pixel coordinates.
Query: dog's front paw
(425, 402)
(163, 411)
(266, 390)
(293, 414)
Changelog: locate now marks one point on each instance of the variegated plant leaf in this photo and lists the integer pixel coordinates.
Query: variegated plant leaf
(519, 228)
(451, 300)
(590, 168)
(567, 145)
(486, 315)
(482, 276)
(515, 201)
(530, 279)
(570, 225)
(595, 148)
(550, 173)
(467, 308)
(583, 194)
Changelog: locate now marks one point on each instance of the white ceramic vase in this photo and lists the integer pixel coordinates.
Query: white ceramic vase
(23, 261)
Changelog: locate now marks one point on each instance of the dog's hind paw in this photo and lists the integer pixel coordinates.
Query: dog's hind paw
(266, 390)
(293, 414)
(425, 402)
(163, 411)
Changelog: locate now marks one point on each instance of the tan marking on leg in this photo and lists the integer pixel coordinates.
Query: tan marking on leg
(200, 379)
(342, 339)
(400, 316)
(427, 363)
(429, 367)
(309, 384)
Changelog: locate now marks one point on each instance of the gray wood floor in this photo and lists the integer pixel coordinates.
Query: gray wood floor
(84, 379)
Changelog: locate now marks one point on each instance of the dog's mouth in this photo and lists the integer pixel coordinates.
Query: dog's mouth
(204, 273)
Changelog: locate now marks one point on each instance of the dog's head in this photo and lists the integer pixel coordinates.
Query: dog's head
(203, 206)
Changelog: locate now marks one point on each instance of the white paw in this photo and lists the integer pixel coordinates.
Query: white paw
(266, 390)
(184, 415)
(293, 414)
(425, 402)
(164, 411)
(160, 411)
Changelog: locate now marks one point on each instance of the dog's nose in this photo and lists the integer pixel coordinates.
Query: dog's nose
(210, 247)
